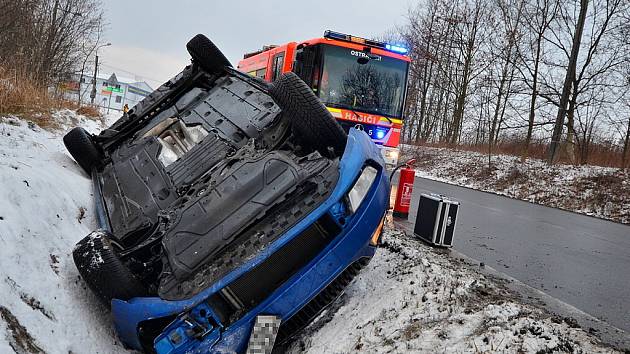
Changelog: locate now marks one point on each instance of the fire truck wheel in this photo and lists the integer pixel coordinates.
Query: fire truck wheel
(82, 148)
(312, 124)
(206, 54)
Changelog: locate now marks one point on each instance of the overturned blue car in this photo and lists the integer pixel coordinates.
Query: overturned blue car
(221, 198)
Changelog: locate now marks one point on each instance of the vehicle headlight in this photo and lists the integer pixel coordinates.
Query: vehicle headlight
(361, 187)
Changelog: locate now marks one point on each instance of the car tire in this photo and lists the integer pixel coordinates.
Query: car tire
(103, 271)
(312, 124)
(80, 145)
(206, 54)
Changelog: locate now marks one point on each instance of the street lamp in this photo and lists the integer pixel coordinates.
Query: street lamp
(93, 94)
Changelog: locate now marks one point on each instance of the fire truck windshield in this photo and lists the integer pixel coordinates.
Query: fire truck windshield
(363, 82)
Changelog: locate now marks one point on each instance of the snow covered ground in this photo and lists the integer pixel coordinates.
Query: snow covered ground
(603, 192)
(410, 297)
(45, 208)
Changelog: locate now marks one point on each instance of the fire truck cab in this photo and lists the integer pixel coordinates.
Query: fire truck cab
(362, 82)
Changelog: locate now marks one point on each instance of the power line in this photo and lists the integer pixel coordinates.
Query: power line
(159, 82)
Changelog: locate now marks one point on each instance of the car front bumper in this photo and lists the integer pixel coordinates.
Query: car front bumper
(350, 245)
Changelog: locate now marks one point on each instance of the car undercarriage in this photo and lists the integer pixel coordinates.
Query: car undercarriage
(199, 186)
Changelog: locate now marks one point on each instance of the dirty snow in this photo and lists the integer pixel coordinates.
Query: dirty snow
(412, 298)
(45, 208)
(602, 192)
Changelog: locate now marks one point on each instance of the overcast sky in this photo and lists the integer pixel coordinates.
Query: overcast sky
(149, 37)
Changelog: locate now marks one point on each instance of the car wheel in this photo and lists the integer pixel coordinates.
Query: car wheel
(103, 271)
(206, 54)
(312, 124)
(80, 145)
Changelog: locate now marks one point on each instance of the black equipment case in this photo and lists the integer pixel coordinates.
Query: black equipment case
(435, 222)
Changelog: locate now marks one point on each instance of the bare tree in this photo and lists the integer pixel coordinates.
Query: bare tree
(538, 17)
(45, 38)
(566, 87)
(588, 75)
(483, 72)
(626, 146)
(469, 36)
(624, 70)
(511, 22)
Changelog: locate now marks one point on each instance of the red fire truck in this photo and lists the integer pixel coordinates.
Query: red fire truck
(362, 82)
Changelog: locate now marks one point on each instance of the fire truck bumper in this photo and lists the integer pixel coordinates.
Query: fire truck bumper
(390, 155)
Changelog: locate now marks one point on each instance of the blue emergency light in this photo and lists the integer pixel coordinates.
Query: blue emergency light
(348, 38)
(380, 133)
(396, 48)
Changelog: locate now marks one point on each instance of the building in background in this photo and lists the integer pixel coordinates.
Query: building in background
(112, 91)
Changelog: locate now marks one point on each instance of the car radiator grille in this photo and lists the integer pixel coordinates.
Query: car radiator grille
(326, 297)
(251, 288)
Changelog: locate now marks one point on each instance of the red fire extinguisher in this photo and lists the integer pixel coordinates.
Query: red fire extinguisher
(405, 188)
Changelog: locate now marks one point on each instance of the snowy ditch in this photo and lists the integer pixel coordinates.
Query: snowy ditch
(409, 298)
(413, 298)
(46, 206)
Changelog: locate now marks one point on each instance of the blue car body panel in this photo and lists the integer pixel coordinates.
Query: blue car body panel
(350, 245)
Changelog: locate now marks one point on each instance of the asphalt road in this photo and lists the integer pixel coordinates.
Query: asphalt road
(577, 259)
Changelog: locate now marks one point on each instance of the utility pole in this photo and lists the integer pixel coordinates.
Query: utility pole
(93, 93)
(109, 103)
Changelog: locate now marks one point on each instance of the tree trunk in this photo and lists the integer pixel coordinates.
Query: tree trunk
(571, 141)
(532, 102)
(430, 124)
(552, 153)
(626, 146)
(499, 109)
(458, 115)
(45, 59)
(479, 125)
(426, 77)
(497, 106)
(585, 147)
